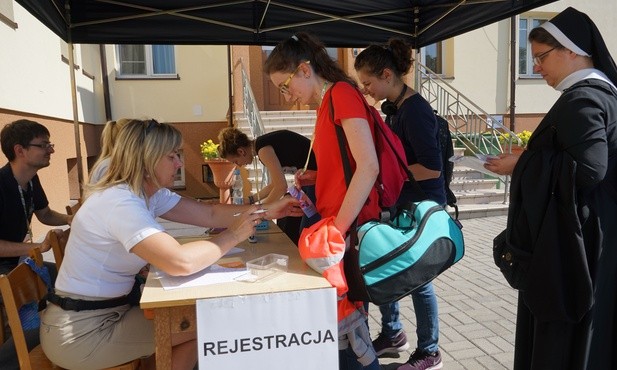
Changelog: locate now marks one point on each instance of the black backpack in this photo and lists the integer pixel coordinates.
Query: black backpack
(447, 151)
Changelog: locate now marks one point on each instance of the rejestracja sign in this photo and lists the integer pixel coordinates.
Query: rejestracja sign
(269, 331)
(269, 342)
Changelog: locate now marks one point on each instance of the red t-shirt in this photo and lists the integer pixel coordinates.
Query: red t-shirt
(330, 187)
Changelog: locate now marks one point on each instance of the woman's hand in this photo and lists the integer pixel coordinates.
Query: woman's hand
(245, 223)
(503, 164)
(284, 207)
(305, 178)
(62, 238)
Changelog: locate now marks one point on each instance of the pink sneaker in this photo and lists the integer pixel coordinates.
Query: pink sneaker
(420, 360)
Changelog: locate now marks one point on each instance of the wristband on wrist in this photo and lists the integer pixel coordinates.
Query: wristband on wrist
(251, 199)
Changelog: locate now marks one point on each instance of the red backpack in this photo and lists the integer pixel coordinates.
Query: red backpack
(393, 171)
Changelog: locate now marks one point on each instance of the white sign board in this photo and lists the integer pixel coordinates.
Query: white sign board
(288, 330)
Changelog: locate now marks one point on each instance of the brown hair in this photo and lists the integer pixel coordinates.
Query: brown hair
(542, 36)
(395, 55)
(302, 47)
(231, 139)
(20, 132)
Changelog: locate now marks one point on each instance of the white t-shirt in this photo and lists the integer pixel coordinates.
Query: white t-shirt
(99, 170)
(97, 260)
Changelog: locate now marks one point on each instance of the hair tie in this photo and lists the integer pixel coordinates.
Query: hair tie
(295, 37)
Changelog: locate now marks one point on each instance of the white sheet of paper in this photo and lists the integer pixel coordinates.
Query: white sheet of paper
(474, 163)
(214, 274)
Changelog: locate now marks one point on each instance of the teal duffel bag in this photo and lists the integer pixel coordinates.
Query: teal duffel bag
(401, 255)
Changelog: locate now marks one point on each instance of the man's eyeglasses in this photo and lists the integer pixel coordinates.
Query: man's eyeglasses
(45, 146)
(537, 60)
(284, 87)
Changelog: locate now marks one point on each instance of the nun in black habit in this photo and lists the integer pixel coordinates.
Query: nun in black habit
(563, 204)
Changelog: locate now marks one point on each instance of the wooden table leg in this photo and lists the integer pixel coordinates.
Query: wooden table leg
(162, 338)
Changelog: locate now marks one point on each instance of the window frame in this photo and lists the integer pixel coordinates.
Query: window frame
(149, 61)
(529, 73)
(440, 48)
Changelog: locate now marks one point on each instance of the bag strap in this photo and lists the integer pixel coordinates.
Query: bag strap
(340, 135)
(380, 130)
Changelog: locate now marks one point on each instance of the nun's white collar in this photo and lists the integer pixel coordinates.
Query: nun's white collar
(580, 75)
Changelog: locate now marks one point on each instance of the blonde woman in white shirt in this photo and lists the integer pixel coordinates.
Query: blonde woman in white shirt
(88, 323)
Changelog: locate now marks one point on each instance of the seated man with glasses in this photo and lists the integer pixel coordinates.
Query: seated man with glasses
(26, 146)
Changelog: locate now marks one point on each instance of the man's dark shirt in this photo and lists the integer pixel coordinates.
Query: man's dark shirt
(13, 221)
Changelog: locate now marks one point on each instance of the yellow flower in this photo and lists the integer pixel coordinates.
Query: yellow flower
(523, 136)
(209, 150)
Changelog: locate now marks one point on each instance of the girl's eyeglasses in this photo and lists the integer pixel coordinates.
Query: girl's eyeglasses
(284, 87)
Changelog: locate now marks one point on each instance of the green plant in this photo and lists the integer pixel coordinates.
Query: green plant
(523, 137)
(209, 150)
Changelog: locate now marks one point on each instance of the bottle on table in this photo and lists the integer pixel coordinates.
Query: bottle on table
(237, 195)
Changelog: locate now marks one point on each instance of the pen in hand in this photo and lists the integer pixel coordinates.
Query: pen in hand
(254, 213)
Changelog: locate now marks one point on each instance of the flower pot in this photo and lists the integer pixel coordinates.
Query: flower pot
(516, 149)
(222, 172)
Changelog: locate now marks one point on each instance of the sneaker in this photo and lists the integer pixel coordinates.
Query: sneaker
(420, 360)
(397, 344)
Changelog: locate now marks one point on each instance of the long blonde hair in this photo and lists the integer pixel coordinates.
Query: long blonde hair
(108, 140)
(139, 147)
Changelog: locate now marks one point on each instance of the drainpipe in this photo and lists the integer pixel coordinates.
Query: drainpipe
(512, 72)
(230, 87)
(105, 79)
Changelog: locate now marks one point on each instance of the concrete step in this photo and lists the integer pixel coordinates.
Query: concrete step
(473, 184)
(483, 196)
(468, 211)
(465, 173)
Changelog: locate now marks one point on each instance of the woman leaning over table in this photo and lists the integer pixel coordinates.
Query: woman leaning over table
(115, 234)
(563, 204)
(303, 71)
(280, 151)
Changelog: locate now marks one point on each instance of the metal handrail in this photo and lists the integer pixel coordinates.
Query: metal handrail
(256, 126)
(471, 126)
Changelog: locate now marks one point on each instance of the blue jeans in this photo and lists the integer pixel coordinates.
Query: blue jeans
(427, 320)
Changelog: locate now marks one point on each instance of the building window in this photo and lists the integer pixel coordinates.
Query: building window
(525, 59)
(146, 60)
(179, 178)
(432, 57)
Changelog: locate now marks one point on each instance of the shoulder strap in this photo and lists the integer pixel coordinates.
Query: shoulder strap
(340, 135)
(379, 130)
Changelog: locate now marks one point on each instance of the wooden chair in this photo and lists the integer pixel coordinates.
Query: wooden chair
(58, 244)
(19, 287)
(71, 210)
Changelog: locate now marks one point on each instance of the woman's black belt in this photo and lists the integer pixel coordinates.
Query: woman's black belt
(70, 304)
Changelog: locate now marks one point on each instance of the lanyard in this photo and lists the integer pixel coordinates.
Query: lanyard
(28, 210)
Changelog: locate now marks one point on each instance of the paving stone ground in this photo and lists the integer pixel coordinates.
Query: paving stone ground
(477, 308)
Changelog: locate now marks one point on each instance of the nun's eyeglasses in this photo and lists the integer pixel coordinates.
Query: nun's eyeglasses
(537, 60)
(284, 87)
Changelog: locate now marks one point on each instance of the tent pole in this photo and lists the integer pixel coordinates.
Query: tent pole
(80, 174)
(230, 79)
(513, 73)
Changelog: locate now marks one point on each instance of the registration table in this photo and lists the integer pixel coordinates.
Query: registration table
(175, 309)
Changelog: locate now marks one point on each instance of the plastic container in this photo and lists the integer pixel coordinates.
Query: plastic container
(267, 266)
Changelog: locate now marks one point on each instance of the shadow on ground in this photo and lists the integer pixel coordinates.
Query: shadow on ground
(391, 361)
